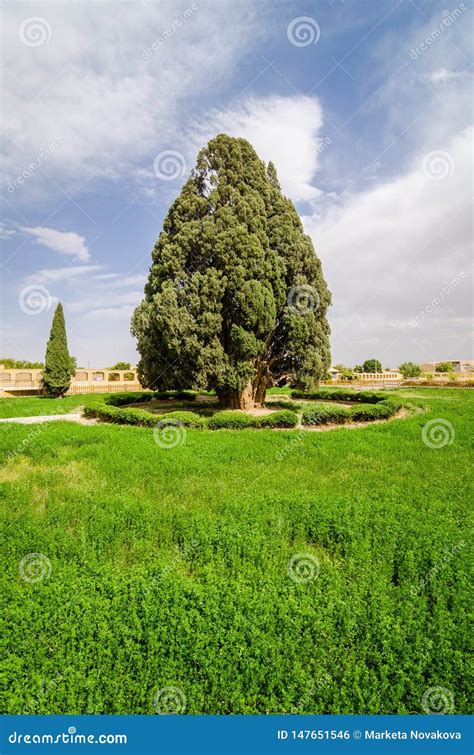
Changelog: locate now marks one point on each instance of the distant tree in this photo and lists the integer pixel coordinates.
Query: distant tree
(18, 364)
(410, 370)
(345, 373)
(358, 368)
(444, 367)
(236, 299)
(120, 366)
(58, 364)
(372, 365)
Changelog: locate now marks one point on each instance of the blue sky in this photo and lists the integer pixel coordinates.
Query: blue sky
(365, 108)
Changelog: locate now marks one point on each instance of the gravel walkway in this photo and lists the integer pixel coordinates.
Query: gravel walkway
(50, 418)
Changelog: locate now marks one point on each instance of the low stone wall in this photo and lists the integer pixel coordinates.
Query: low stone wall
(26, 382)
(368, 380)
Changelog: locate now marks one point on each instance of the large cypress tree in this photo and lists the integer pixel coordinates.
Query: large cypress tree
(58, 365)
(235, 300)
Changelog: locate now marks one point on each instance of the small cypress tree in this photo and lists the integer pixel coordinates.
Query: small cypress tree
(58, 365)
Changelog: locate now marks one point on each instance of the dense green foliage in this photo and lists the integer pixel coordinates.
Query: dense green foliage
(236, 299)
(345, 373)
(345, 394)
(285, 418)
(181, 417)
(410, 369)
(293, 406)
(369, 406)
(120, 366)
(230, 421)
(373, 411)
(58, 364)
(322, 414)
(170, 567)
(18, 364)
(444, 367)
(119, 407)
(372, 365)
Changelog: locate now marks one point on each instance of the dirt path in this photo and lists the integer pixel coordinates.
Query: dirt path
(50, 418)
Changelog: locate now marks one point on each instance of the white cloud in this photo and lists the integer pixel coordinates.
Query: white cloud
(104, 314)
(106, 276)
(85, 302)
(95, 87)
(65, 243)
(115, 280)
(442, 75)
(282, 129)
(130, 280)
(6, 233)
(387, 252)
(59, 274)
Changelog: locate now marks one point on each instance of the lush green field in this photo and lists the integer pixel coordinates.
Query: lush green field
(33, 406)
(169, 568)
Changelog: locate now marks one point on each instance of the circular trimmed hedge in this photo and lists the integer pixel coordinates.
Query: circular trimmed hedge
(368, 406)
(113, 409)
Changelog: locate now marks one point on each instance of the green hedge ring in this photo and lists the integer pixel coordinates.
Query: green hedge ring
(369, 406)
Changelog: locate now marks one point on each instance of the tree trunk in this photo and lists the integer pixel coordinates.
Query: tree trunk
(252, 395)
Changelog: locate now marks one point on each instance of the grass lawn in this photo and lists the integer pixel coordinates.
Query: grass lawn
(170, 568)
(33, 406)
